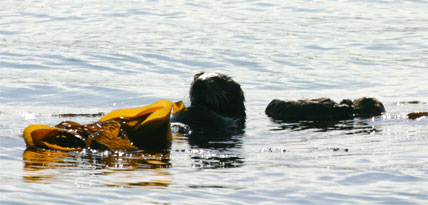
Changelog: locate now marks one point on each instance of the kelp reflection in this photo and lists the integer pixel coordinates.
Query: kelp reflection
(48, 166)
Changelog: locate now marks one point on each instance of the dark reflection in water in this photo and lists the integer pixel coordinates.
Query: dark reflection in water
(208, 161)
(349, 126)
(212, 150)
(131, 168)
(216, 141)
(48, 166)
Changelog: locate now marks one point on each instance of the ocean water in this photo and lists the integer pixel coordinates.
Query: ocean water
(93, 56)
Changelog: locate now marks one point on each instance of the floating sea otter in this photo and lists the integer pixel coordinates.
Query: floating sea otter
(320, 109)
(217, 104)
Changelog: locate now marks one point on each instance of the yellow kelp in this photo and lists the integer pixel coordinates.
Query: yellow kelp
(146, 127)
(416, 115)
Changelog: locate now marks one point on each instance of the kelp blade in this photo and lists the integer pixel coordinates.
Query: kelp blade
(52, 138)
(122, 129)
(416, 115)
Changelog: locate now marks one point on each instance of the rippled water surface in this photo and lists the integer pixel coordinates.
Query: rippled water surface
(94, 56)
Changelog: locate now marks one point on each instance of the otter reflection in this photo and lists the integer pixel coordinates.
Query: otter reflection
(211, 150)
(349, 126)
(46, 166)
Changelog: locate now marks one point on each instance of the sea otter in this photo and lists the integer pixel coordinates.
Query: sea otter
(367, 107)
(322, 109)
(217, 104)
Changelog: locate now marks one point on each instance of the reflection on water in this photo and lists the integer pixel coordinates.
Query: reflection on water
(216, 141)
(210, 150)
(49, 165)
(110, 168)
(349, 126)
(207, 161)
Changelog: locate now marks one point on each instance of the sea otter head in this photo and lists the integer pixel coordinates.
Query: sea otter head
(219, 93)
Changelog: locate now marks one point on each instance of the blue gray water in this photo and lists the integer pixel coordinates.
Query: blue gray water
(96, 56)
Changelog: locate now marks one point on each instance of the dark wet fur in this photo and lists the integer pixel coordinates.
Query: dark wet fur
(221, 94)
(217, 106)
(324, 109)
(367, 107)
